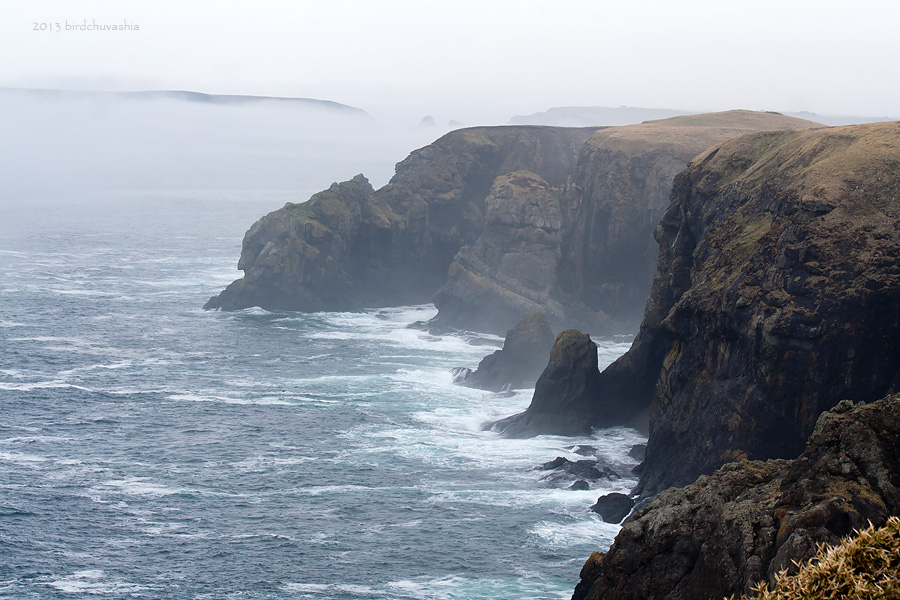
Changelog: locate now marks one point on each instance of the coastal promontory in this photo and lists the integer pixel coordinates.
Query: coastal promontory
(491, 223)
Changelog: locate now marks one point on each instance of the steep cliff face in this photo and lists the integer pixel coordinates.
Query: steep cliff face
(622, 184)
(511, 269)
(351, 247)
(749, 520)
(584, 253)
(777, 294)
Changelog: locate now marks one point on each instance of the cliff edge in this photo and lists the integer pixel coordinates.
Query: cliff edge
(777, 294)
(350, 246)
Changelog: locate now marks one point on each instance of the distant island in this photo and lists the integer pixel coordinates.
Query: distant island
(188, 96)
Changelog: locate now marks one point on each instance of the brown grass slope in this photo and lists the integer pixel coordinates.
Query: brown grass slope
(864, 567)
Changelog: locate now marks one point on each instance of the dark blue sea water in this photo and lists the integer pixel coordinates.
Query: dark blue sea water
(150, 449)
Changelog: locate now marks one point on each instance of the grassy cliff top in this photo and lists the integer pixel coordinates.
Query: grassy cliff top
(865, 567)
(688, 135)
(825, 164)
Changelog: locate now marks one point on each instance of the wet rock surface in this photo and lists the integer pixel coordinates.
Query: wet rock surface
(564, 471)
(613, 507)
(563, 402)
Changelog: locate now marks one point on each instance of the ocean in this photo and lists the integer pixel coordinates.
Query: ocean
(150, 449)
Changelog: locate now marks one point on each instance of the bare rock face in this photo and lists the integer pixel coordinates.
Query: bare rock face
(613, 507)
(777, 295)
(521, 360)
(350, 246)
(749, 520)
(300, 243)
(511, 269)
(583, 252)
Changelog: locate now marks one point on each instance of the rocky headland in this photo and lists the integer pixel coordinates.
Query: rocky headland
(492, 223)
(350, 246)
(777, 294)
(776, 299)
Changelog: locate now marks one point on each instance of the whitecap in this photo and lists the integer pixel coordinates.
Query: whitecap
(22, 459)
(92, 581)
(261, 401)
(140, 486)
(41, 385)
(590, 532)
(451, 587)
(310, 588)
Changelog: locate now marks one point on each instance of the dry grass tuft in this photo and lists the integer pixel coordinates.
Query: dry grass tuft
(865, 567)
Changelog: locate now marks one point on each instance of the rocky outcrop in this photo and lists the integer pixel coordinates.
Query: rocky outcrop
(511, 269)
(563, 402)
(499, 221)
(572, 396)
(613, 507)
(749, 520)
(521, 360)
(350, 246)
(777, 293)
(583, 252)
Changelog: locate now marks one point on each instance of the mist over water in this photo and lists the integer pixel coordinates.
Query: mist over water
(69, 142)
(149, 449)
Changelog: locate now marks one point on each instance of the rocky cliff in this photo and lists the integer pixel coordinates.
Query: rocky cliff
(777, 294)
(351, 246)
(583, 253)
(499, 221)
(749, 520)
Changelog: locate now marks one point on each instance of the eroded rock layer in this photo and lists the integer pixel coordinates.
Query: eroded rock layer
(583, 253)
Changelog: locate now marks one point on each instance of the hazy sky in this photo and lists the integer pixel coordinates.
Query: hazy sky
(478, 60)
